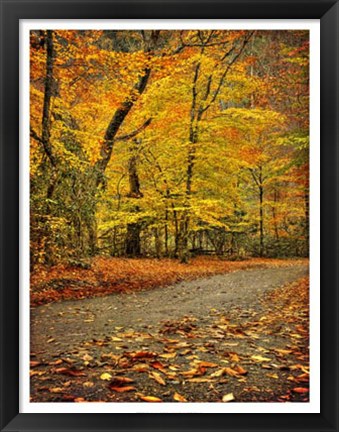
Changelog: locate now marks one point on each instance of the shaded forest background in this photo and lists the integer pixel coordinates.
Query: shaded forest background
(168, 144)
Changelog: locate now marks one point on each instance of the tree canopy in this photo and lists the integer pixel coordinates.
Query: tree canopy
(169, 143)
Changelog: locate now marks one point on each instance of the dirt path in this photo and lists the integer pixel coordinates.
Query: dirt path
(81, 333)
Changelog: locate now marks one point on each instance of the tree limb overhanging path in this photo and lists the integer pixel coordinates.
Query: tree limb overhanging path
(241, 336)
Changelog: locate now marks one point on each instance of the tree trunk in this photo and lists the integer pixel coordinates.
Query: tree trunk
(45, 140)
(46, 110)
(261, 221)
(274, 214)
(115, 124)
(133, 244)
(176, 232)
(166, 233)
(92, 236)
(157, 242)
(122, 112)
(183, 252)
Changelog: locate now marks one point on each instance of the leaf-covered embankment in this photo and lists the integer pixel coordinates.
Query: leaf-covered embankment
(110, 275)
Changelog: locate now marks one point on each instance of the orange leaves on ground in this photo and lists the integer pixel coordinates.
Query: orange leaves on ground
(71, 372)
(179, 398)
(228, 397)
(301, 390)
(122, 389)
(227, 370)
(148, 398)
(206, 364)
(240, 370)
(259, 358)
(108, 275)
(159, 366)
(118, 380)
(168, 355)
(158, 378)
(141, 354)
(118, 384)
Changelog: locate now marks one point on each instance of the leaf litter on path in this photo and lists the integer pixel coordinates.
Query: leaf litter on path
(210, 354)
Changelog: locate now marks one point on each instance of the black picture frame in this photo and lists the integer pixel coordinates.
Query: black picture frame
(14, 10)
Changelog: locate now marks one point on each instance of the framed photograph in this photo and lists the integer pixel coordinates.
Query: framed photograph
(169, 206)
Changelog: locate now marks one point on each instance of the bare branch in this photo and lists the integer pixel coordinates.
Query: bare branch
(35, 136)
(135, 132)
(228, 67)
(254, 177)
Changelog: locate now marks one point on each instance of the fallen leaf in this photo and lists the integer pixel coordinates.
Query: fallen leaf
(87, 358)
(117, 380)
(105, 376)
(231, 371)
(228, 397)
(56, 362)
(168, 355)
(157, 377)
(121, 389)
(234, 357)
(70, 372)
(127, 335)
(36, 372)
(265, 366)
(218, 373)
(173, 368)
(34, 363)
(240, 370)
(68, 398)
(199, 380)
(142, 354)
(207, 364)
(159, 366)
(259, 358)
(304, 369)
(177, 397)
(283, 351)
(302, 378)
(300, 390)
(192, 372)
(56, 390)
(296, 336)
(149, 398)
(141, 367)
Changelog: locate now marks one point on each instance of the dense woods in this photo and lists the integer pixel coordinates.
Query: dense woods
(168, 144)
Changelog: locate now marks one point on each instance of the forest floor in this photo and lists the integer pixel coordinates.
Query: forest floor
(242, 336)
